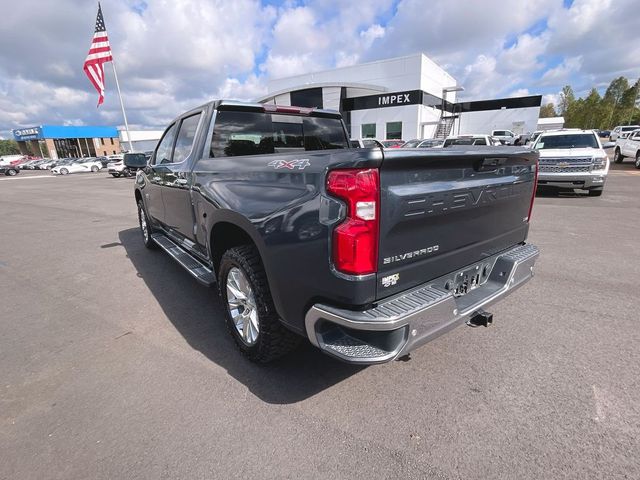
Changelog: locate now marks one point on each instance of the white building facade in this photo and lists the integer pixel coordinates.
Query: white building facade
(401, 98)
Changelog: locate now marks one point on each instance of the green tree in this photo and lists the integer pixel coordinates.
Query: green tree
(9, 147)
(590, 114)
(567, 98)
(547, 111)
(611, 102)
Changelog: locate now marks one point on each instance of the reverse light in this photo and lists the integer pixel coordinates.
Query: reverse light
(355, 240)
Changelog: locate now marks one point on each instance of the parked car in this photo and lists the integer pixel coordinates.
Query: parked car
(604, 133)
(534, 136)
(47, 164)
(104, 161)
(9, 170)
(119, 169)
(366, 143)
(358, 250)
(28, 165)
(506, 137)
(571, 159)
(392, 143)
(10, 159)
(81, 165)
(424, 143)
(476, 140)
(628, 147)
(622, 131)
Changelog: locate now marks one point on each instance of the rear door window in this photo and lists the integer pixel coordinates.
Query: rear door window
(186, 136)
(239, 133)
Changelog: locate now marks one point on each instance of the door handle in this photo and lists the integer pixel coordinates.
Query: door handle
(181, 181)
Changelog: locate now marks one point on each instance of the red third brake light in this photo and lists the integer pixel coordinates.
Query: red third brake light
(355, 240)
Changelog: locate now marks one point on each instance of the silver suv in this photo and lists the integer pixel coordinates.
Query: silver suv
(572, 159)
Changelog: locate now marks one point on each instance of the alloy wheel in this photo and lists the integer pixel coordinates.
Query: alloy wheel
(242, 306)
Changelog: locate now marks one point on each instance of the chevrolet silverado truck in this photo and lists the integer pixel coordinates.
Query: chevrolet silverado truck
(628, 146)
(367, 253)
(572, 159)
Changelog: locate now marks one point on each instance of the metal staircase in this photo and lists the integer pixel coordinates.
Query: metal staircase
(445, 124)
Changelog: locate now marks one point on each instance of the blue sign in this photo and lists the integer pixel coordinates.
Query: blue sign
(23, 134)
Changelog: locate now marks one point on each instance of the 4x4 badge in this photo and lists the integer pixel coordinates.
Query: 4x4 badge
(300, 164)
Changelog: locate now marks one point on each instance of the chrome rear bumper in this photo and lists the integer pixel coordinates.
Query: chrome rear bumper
(399, 324)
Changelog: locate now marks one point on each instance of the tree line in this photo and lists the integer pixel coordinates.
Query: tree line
(9, 147)
(618, 106)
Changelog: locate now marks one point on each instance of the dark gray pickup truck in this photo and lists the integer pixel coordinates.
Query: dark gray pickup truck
(367, 253)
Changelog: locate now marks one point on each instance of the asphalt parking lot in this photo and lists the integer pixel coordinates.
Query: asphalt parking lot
(116, 364)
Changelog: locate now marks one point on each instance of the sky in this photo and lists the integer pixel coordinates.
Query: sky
(173, 55)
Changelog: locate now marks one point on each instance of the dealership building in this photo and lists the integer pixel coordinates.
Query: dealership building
(60, 141)
(402, 98)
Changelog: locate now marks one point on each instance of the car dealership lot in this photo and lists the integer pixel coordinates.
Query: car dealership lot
(116, 363)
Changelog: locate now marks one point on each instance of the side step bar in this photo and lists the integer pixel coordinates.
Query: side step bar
(195, 267)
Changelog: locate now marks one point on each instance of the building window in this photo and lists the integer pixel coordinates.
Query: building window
(394, 131)
(368, 130)
(102, 141)
(111, 141)
(114, 152)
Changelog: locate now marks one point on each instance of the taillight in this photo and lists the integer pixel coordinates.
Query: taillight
(535, 187)
(355, 240)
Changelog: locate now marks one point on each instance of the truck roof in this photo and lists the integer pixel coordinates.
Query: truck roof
(271, 108)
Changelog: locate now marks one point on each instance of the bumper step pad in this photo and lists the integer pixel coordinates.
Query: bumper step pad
(195, 267)
(395, 326)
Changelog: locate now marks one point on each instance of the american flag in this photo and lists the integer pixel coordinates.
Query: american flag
(99, 54)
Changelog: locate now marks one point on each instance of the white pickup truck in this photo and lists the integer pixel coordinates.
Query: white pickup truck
(628, 147)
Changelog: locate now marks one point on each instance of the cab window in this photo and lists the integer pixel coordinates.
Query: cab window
(165, 147)
(186, 136)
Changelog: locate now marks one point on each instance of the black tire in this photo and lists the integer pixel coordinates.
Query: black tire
(274, 340)
(617, 156)
(126, 172)
(64, 171)
(94, 169)
(637, 162)
(11, 172)
(115, 175)
(596, 192)
(146, 234)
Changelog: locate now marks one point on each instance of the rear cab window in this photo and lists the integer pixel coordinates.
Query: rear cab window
(238, 133)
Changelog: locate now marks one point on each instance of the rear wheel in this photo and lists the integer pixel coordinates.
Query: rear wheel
(595, 192)
(617, 156)
(145, 228)
(250, 314)
(637, 162)
(94, 169)
(11, 172)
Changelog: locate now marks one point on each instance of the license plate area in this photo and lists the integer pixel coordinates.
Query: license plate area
(468, 279)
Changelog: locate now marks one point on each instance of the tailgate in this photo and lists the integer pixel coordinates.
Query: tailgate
(443, 209)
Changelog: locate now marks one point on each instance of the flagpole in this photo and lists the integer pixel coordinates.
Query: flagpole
(126, 124)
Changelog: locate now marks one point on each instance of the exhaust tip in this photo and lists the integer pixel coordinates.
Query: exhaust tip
(480, 319)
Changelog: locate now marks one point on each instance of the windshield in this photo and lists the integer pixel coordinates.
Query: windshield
(411, 143)
(580, 140)
(629, 129)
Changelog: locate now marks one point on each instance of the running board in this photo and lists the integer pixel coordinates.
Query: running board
(195, 267)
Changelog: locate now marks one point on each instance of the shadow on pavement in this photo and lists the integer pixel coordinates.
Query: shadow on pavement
(197, 314)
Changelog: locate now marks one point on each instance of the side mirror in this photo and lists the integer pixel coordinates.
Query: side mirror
(135, 161)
